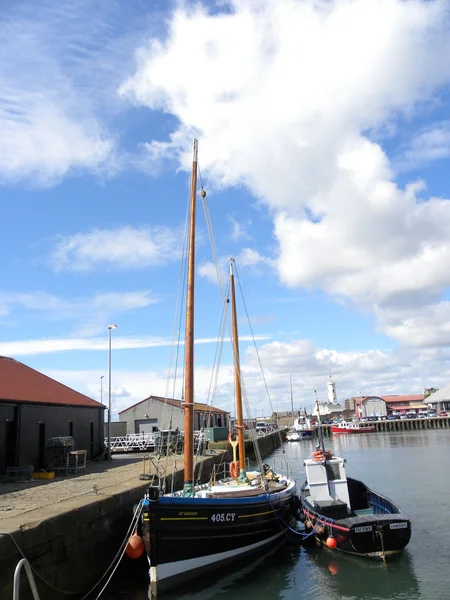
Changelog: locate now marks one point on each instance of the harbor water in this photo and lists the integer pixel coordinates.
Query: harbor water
(410, 467)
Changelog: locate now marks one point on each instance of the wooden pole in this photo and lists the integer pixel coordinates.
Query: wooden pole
(189, 342)
(237, 375)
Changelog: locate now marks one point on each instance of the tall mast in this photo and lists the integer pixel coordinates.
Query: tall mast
(189, 342)
(292, 398)
(237, 376)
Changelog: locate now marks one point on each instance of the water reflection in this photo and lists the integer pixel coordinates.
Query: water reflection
(266, 577)
(346, 576)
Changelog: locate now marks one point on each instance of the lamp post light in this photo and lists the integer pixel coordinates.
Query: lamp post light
(110, 328)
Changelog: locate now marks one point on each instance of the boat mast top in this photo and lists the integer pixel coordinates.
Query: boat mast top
(188, 489)
(292, 398)
(237, 377)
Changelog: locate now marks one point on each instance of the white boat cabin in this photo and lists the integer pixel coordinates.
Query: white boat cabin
(327, 482)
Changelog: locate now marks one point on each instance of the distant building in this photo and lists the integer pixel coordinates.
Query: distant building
(349, 404)
(34, 408)
(381, 406)
(440, 399)
(156, 413)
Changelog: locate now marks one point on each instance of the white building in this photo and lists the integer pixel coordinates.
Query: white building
(331, 406)
(156, 414)
(439, 400)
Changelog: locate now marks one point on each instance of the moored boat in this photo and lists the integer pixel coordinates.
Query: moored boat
(347, 515)
(239, 512)
(303, 426)
(350, 427)
(293, 435)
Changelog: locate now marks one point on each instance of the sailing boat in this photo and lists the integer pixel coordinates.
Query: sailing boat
(200, 527)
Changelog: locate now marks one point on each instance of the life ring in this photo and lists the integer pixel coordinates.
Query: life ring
(234, 469)
(318, 455)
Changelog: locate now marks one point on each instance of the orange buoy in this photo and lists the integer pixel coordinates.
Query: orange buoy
(135, 546)
(331, 542)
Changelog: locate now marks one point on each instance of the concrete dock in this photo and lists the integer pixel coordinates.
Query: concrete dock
(70, 528)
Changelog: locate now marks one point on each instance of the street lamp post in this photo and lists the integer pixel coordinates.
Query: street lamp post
(110, 328)
(101, 388)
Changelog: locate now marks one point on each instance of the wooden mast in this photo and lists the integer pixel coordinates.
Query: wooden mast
(292, 397)
(237, 376)
(189, 342)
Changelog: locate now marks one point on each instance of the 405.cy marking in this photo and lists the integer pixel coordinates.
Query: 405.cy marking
(223, 517)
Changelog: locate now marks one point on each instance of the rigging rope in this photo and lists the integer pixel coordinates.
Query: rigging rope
(113, 565)
(257, 353)
(225, 304)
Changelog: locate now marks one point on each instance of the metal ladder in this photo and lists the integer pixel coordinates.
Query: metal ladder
(31, 581)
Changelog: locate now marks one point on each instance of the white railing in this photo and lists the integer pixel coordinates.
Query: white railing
(132, 442)
(16, 589)
(158, 441)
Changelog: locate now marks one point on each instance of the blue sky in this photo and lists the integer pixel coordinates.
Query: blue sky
(324, 141)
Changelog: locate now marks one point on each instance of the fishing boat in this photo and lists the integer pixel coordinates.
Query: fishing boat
(345, 514)
(293, 435)
(350, 427)
(303, 426)
(242, 511)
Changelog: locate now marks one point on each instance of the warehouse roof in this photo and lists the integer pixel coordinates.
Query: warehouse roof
(198, 406)
(19, 383)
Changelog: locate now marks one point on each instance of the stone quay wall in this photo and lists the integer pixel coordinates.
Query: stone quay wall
(71, 541)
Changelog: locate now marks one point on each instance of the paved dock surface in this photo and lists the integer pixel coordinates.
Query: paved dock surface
(22, 498)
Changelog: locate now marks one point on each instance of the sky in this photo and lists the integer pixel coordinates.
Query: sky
(324, 146)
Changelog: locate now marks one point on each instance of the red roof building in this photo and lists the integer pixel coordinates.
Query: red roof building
(385, 405)
(20, 383)
(35, 408)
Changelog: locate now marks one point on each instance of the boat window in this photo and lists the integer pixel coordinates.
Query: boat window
(333, 472)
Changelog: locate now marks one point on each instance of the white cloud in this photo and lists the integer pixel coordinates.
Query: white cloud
(239, 231)
(366, 372)
(430, 144)
(89, 315)
(48, 118)
(122, 248)
(208, 270)
(286, 112)
(53, 345)
(429, 327)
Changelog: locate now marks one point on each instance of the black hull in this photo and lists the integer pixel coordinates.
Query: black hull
(381, 532)
(185, 537)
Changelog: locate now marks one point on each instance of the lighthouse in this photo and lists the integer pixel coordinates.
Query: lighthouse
(331, 392)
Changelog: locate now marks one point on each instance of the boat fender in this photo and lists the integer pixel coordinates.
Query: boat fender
(331, 542)
(234, 469)
(320, 530)
(135, 546)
